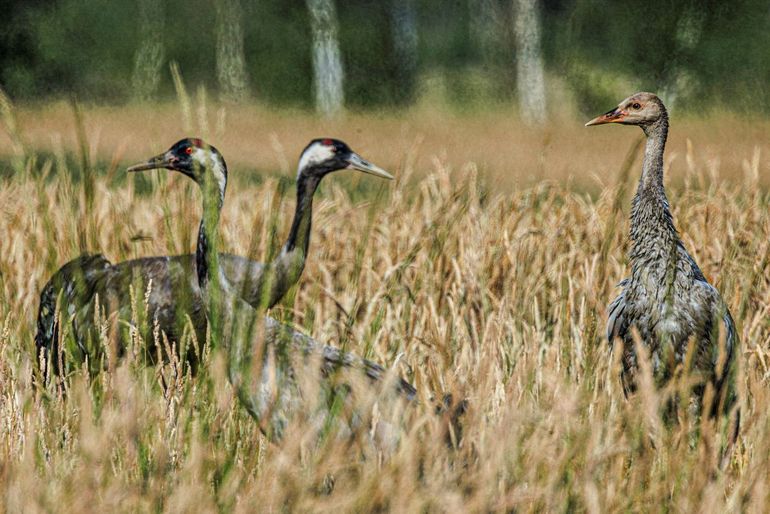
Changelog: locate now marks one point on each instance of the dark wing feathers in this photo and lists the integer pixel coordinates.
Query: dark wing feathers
(615, 318)
(75, 279)
(173, 278)
(83, 277)
(719, 311)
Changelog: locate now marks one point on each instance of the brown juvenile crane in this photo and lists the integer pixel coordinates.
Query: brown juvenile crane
(174, 292)
(667, 299)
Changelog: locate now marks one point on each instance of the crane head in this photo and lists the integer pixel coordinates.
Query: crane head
(325, 155)
(190, 156)
(638, 109)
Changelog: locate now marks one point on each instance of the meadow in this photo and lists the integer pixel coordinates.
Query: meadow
(484, 270)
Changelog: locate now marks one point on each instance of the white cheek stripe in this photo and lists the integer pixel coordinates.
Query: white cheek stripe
(208, 159)
(314, 155)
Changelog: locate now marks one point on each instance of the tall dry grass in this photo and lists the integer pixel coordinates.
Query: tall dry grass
(492, 293)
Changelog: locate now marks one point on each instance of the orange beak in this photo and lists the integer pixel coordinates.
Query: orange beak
(614, 116)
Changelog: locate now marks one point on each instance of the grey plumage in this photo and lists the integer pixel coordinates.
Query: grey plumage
(174, 300)
(667, 300)
(275, 392)
(272, 394)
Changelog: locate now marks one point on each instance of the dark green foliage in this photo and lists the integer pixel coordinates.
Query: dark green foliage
(643, 41)
(367, 53)
(278, 49)
(86, 47)
(83, 47)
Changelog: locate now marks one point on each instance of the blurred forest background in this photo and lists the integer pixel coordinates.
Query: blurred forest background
(539, 55)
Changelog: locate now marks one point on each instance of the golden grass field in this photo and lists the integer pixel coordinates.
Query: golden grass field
(484, 270)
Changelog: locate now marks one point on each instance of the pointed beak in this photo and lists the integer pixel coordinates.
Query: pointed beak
(616, 115)
(162, 161)
(356, 162)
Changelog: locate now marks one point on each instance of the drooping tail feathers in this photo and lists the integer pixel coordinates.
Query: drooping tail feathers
(73, 280)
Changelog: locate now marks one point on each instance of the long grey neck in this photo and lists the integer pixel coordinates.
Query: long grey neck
(652, 226)
(652, 167)
(206, 254)
(286, 268)
(299, 235)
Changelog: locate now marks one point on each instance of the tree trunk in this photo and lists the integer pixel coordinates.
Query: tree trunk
(404, 33)
(327, 61)
(530, 77)
(231, 66)
(149, 57)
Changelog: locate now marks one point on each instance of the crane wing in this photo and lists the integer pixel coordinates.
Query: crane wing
(616, 317)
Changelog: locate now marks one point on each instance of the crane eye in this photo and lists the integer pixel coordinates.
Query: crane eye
(188, 150)
(636, 106)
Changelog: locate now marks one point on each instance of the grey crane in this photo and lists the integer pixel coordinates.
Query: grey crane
(174, 293)
(270, 396)
(667, 299)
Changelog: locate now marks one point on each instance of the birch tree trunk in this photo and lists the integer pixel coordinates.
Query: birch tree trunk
(405, 40)
(149, 57)
(327, 61)
(231, 66)
(530, 77)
